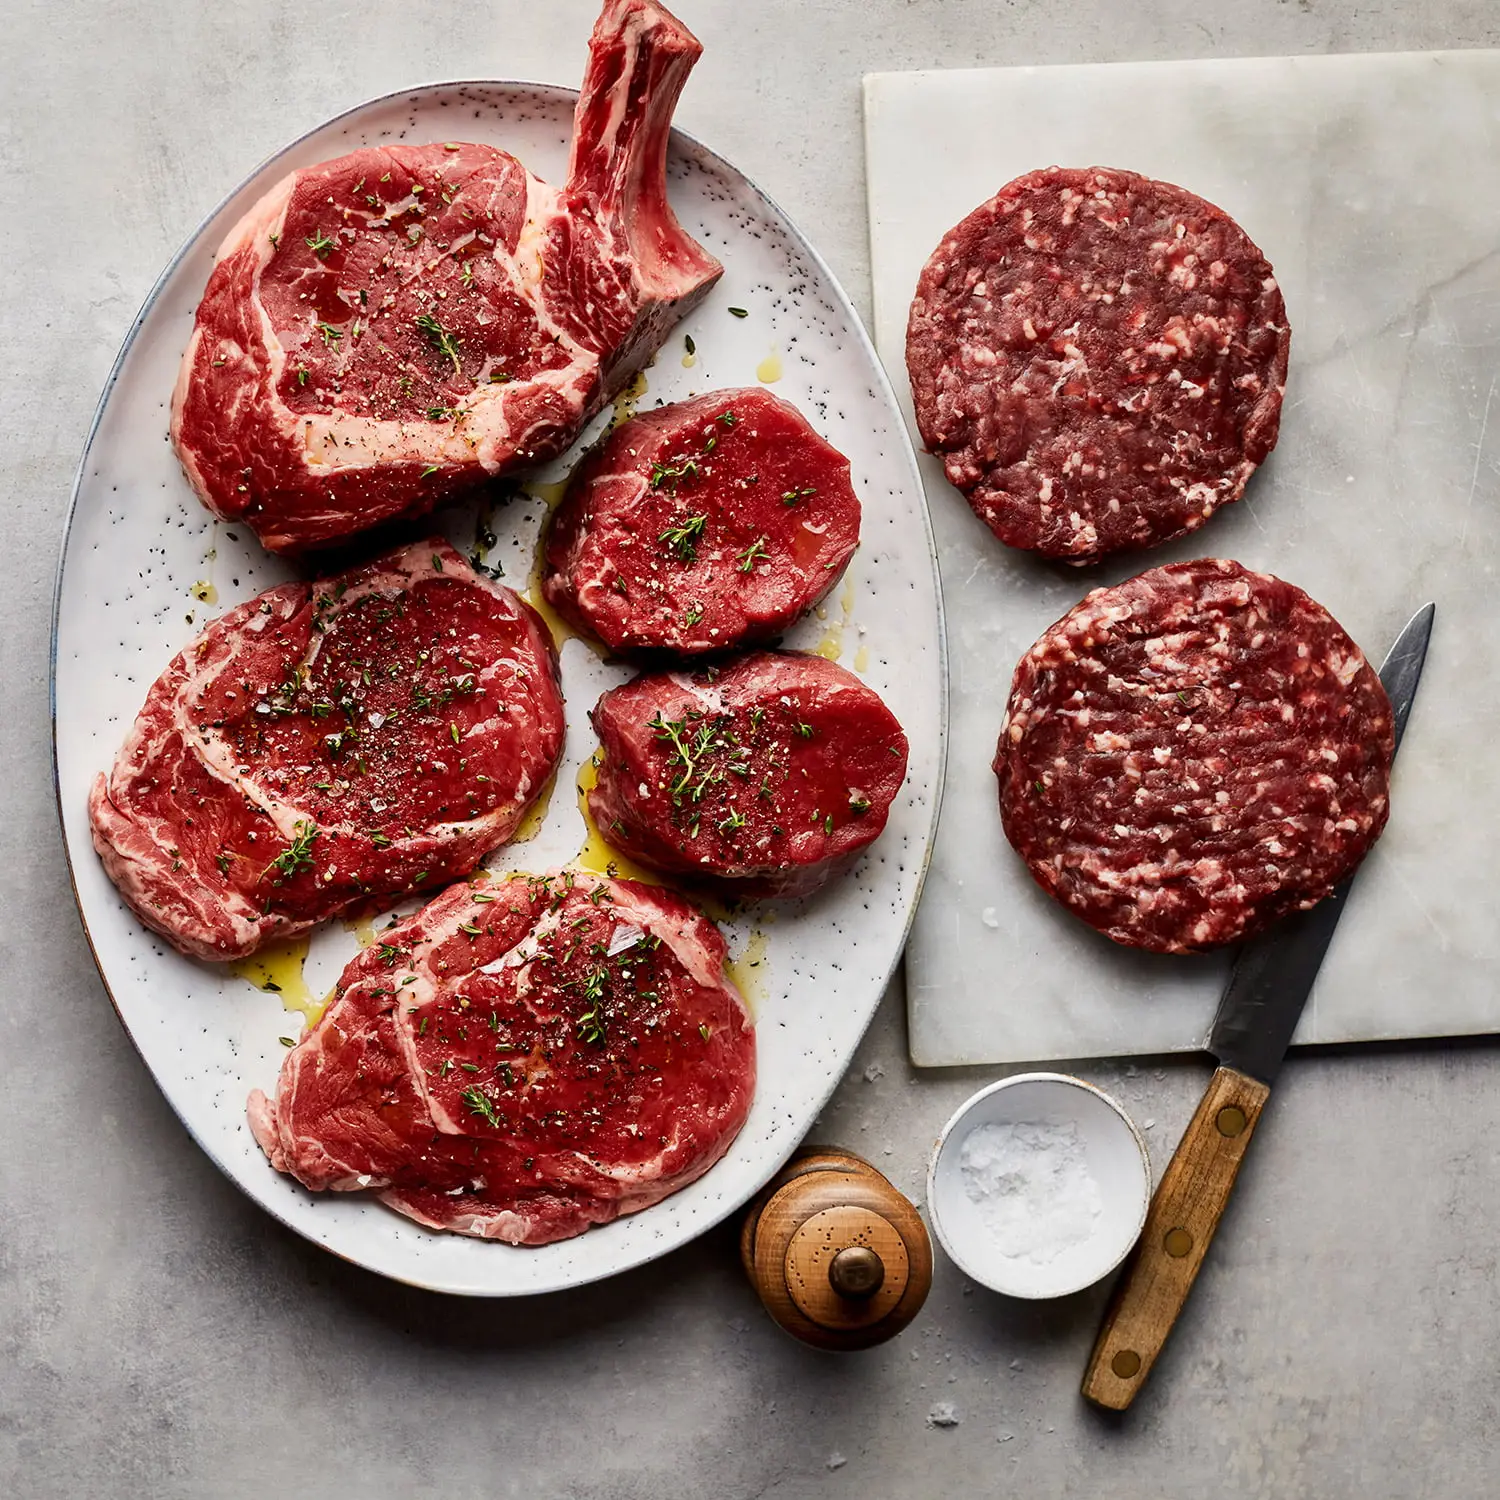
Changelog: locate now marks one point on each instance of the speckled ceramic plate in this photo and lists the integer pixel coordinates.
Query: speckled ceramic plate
(141, 554)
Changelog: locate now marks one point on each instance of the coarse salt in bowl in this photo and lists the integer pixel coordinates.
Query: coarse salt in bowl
(1039, 1185)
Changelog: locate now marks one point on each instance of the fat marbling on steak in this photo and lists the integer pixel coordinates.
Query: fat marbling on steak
(760, 778)
(1098, 359)
(384, 330)
(373, 733)
(701, 526)
(1192, 754)
(525, 1057)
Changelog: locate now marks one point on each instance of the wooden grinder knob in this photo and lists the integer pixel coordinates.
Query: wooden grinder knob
(837, 1255)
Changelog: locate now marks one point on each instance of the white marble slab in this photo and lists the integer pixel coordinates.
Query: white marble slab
(1373, 184)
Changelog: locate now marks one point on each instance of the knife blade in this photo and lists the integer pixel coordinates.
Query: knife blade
(1274, 974)
(1257, 1016)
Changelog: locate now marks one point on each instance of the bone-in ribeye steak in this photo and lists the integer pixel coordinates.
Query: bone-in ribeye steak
(761, 778)
(384, 330)
(702, 526)
(1193, 753)
(371, 733)
(523, 1058)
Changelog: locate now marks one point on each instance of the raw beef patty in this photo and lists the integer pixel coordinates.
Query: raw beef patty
(1193, 754)
(1098, 359)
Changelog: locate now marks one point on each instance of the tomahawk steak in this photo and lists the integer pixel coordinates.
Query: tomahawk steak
(384, 330)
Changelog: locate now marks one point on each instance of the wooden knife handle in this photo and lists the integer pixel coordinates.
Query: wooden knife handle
(1181, 1223)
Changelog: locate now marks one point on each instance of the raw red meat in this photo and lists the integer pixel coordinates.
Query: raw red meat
(762, 778)
(1192, 754)
(702, 526)
(371, 733)
(384, 330)
(523, 1058)
(1098, 359)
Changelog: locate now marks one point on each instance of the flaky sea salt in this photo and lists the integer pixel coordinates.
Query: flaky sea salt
(1031, 1183)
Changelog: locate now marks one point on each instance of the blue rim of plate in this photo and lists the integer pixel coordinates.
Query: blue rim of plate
(679, 139)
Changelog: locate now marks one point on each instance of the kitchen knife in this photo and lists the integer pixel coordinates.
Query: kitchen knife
(1272, 979)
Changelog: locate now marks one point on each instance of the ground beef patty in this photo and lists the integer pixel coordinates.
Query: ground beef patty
(1098, 359)
(1192, 754)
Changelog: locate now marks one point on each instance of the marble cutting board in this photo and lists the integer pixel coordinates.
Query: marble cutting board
(1373, 185)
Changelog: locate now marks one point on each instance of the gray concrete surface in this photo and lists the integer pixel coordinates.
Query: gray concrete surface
(161, 1337)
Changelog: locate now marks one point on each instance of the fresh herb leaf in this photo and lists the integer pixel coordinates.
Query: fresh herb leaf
(297, 855)
(752, 554)
(439, 338)
(479, 1104)
(665, 476)
(683, 538)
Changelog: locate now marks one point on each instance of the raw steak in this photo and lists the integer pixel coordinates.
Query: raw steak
(367, 734)
(1193, 754)
(1098, 359)
(702, 526)
(384, 330)
(523, 1058)
(761, 779)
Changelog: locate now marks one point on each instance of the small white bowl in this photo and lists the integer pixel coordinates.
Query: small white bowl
(1109, 1153)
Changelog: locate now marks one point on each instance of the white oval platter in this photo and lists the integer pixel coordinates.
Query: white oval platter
(138, 544)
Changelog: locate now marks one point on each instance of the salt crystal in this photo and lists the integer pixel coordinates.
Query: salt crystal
(623, 937)
(873, 1072)
(943, 1414)
(836, 1460)
(1032, 1186)
(989, 917)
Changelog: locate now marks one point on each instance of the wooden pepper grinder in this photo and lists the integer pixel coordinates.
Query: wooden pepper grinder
(839, 1257)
